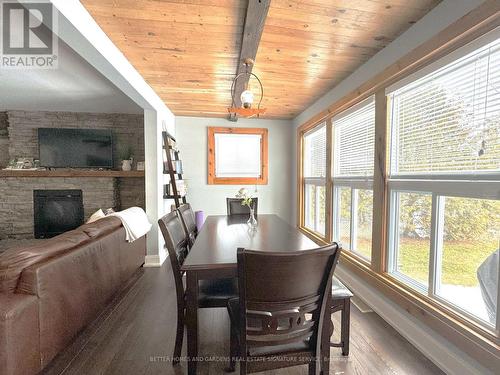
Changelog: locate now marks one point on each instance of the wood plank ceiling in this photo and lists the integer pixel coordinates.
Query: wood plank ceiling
(188, 50)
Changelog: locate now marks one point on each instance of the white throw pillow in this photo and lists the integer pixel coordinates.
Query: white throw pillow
(99, 214)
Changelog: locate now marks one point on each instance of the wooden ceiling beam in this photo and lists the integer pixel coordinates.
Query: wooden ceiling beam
(252, 32)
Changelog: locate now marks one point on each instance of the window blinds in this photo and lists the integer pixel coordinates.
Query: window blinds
(355, 141)
(449, 120)
(315, 153)
(238, 155)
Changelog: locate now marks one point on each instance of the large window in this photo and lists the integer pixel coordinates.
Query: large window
(353, 160)
(315, 179)
(444, 227)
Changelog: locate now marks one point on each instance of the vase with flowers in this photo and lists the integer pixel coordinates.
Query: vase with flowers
(127, 157)
(247, 200)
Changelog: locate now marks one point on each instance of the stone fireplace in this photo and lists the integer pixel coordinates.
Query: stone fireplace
(18, 138)
(56, 211)
(17, 203)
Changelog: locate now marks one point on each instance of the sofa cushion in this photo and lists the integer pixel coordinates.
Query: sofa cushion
(101, 227)
(13, 261)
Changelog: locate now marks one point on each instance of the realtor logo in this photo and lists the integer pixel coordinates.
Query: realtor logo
(28, 38)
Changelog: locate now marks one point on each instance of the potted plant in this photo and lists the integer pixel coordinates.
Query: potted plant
(127, 157)
(246, 200)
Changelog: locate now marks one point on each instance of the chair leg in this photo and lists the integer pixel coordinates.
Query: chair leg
(313, 365)
(233, 349)
(243, 367)
(346, 323)
(179, 336)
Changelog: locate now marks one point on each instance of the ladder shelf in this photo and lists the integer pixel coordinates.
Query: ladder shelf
(175, 173)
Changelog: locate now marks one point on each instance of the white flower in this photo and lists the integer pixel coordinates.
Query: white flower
(242, 193)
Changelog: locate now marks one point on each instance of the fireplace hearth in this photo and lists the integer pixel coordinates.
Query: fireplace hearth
(57, 211)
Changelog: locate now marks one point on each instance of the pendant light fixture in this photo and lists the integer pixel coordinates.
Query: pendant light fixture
(247, 96)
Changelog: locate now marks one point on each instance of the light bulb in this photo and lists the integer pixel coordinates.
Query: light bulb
(247, 98)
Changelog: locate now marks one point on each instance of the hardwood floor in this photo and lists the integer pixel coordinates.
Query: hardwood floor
(135, 335)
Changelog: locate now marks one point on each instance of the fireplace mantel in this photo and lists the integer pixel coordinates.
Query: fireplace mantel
(70, 173)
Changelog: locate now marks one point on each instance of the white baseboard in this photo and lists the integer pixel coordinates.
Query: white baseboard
(444, 354)
(155, 260)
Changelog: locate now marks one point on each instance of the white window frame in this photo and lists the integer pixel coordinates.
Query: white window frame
(316, 181)
(438, 190)
(478, 185)
(353, 182)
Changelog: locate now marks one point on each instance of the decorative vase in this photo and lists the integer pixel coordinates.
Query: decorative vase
(127, 165)
(252, 222)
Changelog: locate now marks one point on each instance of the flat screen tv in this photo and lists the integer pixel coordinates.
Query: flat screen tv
(75, 148)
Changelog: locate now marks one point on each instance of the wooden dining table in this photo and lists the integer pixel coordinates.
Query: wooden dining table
(213, 256)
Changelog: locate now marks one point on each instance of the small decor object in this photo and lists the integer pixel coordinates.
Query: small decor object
(127, 157)
(21, 163)
(181, 187)
(246, 98)
(200, 219)
(127, 165)
(171, 143)
(27, 163)
(12, 164)
(247, 201)
(177, 166)
(140, 166)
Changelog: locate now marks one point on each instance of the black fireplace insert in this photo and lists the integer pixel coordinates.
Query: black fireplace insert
(57, 211)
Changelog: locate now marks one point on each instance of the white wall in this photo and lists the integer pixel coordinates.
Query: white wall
(75, 86)
(447, 356)
(82, 34)
(276, 197)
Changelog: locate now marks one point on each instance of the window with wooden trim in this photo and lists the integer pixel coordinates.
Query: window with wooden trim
(237, 156)
(428, 180)
(353, 160)
(314, 184)
(444, 183)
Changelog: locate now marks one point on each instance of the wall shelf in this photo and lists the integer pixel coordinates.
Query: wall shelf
(70, 173)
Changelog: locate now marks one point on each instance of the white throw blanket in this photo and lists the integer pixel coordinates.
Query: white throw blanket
(134, 221)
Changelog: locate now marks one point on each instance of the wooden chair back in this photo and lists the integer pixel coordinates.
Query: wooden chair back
(283, 297)
(188, 221)
(176, 241)
(234, 206)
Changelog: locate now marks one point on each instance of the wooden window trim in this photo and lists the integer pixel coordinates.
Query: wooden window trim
(213, 180)
(301, 184)
(466, 334)
(478, 342)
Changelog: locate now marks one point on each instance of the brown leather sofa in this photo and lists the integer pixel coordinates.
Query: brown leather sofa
(51, 291)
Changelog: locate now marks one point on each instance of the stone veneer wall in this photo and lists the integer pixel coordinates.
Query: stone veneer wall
(16, 194)
(16, 200)
(23, 137)
(4, 140)
(131, 192)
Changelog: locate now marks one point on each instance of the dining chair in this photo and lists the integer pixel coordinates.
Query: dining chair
(278, 318)
(341, 301)
(211, 293)
(189, 222)
(234, 206)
